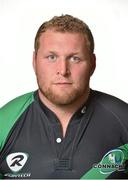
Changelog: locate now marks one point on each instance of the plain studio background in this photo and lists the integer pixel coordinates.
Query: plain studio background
(19, 21)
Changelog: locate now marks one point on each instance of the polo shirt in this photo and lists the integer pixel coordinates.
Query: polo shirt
(95, 145)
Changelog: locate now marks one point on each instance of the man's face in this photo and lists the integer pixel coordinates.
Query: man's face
(63, 66)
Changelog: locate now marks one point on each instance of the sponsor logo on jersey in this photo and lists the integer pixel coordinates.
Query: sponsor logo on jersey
(16, 161)
(17, 175)
(111, 162)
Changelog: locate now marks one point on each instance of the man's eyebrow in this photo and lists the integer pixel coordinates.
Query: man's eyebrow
(52, 52)
(68, 54)
(75, 53)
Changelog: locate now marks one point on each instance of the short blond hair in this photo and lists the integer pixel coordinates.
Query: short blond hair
(65, 23)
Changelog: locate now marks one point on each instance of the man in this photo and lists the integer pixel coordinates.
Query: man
(64, 129)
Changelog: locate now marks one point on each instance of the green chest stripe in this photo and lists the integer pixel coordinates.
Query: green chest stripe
(10, 113)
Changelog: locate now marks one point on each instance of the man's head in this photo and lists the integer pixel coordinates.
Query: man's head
(65, 23)
(63, 60)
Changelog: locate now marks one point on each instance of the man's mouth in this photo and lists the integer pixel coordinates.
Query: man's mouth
(63, 83)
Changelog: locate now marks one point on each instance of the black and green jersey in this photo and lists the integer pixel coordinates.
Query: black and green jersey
(95, 145)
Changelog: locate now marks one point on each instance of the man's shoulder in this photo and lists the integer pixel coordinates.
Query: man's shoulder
(109, 99)
(18, 101)
(112, 103)
(10, 113)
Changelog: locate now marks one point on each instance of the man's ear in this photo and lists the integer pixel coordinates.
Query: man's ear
(93, 64)
(34, 61)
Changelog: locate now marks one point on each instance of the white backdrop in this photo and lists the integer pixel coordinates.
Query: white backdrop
(19, 21)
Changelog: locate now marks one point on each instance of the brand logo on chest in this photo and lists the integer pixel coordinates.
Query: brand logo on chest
(16, 161)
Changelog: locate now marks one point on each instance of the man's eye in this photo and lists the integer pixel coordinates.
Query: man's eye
(75, 59)
(52, 58)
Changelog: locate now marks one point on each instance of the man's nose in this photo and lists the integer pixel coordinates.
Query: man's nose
(63, 67)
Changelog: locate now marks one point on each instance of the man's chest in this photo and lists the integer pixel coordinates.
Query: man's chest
(37, 149)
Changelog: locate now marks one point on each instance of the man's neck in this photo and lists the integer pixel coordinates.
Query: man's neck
(64, 112)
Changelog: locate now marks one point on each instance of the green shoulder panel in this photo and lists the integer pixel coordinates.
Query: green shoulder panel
(10, 113)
